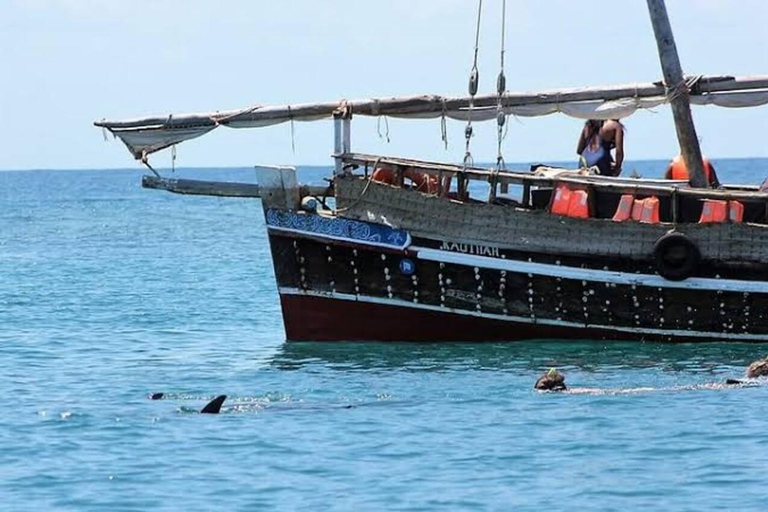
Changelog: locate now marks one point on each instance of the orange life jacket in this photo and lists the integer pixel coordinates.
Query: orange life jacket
(720, 211)
(384, 175)
(680, 171)
(570, 203)
(422, 180)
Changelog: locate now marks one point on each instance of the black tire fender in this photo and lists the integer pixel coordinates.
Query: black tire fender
(677, 256)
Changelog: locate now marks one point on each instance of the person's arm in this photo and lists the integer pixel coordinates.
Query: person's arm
(619, 139)
(668, 173)
(582, 141)
(713, 181)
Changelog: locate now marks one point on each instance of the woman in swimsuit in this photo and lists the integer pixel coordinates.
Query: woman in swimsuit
(597, 139)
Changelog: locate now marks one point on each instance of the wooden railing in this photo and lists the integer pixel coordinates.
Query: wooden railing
(639, 186)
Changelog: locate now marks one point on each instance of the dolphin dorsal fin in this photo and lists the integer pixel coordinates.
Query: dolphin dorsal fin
(214, 406)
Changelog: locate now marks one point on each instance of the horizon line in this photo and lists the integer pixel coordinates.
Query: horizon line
(330, 165)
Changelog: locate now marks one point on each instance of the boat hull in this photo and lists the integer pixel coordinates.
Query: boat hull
(324, 318)
(336, 288)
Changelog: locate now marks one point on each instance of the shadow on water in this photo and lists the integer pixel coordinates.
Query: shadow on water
(589, 356)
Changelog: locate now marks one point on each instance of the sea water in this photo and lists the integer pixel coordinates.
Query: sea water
(109, 292)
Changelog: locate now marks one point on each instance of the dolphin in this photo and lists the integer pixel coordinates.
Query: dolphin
(214, 406)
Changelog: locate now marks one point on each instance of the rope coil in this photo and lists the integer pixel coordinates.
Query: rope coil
(683, 87)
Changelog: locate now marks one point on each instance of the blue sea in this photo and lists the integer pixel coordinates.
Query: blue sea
(109, 292)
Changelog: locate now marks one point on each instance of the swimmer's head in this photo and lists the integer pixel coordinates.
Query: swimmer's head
(758, 369)
(551, 381)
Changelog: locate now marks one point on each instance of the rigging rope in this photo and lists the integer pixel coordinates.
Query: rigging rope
(501, 88)
(145, 161)
(474, 79)
(683, 87)
(359, 198)
(443, 124)
(385, 135)
(293, 131)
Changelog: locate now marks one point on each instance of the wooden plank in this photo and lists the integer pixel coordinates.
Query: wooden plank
(679, 100)
(200, 188)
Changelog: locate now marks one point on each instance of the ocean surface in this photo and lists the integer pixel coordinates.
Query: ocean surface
(109, 292)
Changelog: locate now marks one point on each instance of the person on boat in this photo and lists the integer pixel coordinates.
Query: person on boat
(677, 170)
(597, 139)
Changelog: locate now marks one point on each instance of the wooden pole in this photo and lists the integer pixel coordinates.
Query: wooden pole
(338, 142)
(680, 101)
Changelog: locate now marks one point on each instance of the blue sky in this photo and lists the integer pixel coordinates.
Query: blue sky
(66, 63)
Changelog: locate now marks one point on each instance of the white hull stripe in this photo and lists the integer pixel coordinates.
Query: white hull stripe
(523, 319)
(587, 274)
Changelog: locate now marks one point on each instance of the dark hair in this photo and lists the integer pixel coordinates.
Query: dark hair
(593, 127)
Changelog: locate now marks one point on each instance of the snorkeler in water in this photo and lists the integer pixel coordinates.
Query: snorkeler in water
(755, 370)
(555, 381)
(551, 381)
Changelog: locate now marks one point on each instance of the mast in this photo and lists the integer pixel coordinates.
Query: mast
(678, 92)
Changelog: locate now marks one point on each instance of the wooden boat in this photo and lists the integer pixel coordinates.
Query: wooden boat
(364, 259)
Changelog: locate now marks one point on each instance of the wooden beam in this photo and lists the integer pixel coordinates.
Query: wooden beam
(219, 188)
(679, 100)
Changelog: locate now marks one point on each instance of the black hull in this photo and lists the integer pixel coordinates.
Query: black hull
(434, 291)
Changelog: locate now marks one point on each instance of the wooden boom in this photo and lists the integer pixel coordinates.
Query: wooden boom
(434, 104)
(219, 188)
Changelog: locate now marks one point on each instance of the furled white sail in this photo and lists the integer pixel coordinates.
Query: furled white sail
(147, 135)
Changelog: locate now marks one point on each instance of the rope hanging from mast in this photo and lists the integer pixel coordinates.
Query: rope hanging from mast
(474, 80)
(501, 88)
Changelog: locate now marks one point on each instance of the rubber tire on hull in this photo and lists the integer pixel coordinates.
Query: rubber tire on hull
(677, 256)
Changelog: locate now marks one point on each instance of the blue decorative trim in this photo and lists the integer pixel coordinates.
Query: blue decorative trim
(337, 228)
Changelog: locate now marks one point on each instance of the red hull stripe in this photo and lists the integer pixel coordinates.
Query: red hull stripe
(323, 318)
